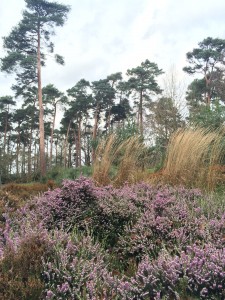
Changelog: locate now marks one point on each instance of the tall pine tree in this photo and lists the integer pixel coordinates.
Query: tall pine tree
(142, 82)
(25, 47)
(207, 59)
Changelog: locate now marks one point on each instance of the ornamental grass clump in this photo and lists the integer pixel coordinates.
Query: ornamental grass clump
(127, 158)
(105, 156)
(192, 155)
(131, 168)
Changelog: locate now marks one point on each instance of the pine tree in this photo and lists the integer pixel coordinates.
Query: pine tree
(142, 81)
(25, 50)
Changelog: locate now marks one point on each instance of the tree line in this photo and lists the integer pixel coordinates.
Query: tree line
(135, 104)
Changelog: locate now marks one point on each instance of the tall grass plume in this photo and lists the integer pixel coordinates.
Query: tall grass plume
(125, 159)
(193, 157)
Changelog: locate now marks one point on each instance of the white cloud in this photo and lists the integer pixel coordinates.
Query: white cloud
(102, 37)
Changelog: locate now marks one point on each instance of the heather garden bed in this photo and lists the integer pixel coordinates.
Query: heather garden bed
(138, 241)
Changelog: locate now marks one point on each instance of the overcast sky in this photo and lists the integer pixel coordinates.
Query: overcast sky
(102, 37)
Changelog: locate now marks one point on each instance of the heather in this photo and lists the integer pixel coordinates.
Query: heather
(150, 222)
(82, 241)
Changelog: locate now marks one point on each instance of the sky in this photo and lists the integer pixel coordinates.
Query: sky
(102, 37)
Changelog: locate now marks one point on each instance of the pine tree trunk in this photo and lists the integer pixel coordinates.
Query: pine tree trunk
(79, 142)
(47, 157)
(8, 154)
(88, 155)
(69, 164)
(23, 160)
(141, 113)
(30, 150)
(35, 155)
(56, 151)
(17, 151)
(95, 133)
(41, 111)
(65, 145)
(5, 131)
(61, 155)
(208, 94)
(52, 132)
(76, 147)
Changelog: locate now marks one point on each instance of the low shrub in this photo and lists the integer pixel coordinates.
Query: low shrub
(141, 216)
(21, 264)
(78, 269)
(14, 196)
(65, 207)
(133, 242)
(58, 174)
(79, 203)
(194, 273)
(173, 219)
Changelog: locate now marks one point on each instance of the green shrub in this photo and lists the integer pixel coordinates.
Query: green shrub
(59, 173)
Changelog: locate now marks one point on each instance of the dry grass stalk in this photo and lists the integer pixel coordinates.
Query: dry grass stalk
(128, 156)
(105, 155)
(131, 166)
(191, 157)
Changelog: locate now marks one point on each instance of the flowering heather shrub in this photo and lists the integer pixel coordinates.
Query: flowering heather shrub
(168, 231)
(104, 211)
(77, 270)
(169, 220)
(163, 222)
(9, 203)
(21, 262)
(217, 229)
(115, 208)
(196, 273)
(144, 217)
(63, 207)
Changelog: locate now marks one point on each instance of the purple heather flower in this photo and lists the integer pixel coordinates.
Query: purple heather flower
(50, 295)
